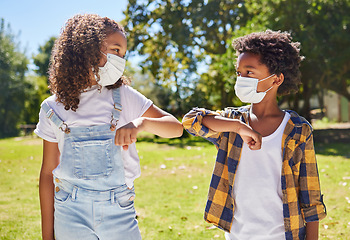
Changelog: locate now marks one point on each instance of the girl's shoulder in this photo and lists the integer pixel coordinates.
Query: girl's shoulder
(52, 102)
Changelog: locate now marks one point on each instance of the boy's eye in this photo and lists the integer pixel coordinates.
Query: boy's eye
(238, 73)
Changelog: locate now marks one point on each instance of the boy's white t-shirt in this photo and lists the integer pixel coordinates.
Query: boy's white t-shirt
(257, 191)
(95, 108)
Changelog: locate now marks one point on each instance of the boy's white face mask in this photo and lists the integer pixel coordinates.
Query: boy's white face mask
(111, 72)
(246, 89)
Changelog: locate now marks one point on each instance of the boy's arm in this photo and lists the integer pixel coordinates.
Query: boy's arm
(193, 123)
(311, 200)
(208, 124)
(46, 188)
(312, 230)
(223, 124)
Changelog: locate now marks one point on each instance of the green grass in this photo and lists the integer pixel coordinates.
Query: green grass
(171, 192)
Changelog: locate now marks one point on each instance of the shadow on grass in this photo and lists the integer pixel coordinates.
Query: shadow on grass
(185, 140)
(335, 148)
(177, 142)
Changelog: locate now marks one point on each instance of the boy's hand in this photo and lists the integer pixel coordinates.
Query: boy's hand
(127, 134)
(250, 137)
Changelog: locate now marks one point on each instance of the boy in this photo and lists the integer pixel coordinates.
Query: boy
(272, 192)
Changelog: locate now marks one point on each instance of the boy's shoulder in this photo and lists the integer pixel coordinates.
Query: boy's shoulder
(298, 120)
(235, 112)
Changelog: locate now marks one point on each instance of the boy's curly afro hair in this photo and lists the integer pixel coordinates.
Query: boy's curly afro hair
(76, 55)
(278, 53)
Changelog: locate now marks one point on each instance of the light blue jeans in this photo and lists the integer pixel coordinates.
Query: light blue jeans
(90, 215)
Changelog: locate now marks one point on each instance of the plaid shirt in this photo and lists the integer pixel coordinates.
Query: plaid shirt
(302, 199)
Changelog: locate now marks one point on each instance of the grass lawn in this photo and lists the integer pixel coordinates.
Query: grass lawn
(171, 192)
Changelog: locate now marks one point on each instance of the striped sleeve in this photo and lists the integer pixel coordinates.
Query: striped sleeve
(311, 202)
(193, 123)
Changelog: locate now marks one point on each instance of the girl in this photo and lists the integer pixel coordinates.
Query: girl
(89, 129)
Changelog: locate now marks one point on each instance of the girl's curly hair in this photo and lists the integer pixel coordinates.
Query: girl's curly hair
(278, 53)
(76, 55)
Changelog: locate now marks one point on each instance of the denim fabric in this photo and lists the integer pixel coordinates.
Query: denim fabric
(88, 214)
(90, 159)
(92, 200)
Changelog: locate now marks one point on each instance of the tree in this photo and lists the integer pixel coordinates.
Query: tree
(322, 27)
(37, 89)
(13, 65)
(42, 59)
(180, 38)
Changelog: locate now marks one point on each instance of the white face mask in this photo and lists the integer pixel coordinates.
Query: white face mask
(111, 72)
(246, 89)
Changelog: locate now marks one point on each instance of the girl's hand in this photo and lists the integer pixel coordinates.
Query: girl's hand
(127, 134)
(250, 137)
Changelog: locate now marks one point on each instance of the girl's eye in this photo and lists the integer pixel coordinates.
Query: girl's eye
(249, 72)
(238, 73)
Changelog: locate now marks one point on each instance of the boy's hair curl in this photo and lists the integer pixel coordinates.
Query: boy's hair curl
(76, 55)
(278, 53)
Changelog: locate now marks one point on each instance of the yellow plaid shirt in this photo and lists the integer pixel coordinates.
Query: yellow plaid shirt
(302, 199)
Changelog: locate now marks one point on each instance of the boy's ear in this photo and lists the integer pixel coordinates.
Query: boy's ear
(279, 80)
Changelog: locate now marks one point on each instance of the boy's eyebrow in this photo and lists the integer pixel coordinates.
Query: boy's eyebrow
(249, 66)
(246, 66)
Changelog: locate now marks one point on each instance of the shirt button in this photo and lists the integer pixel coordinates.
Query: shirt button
(57, 189)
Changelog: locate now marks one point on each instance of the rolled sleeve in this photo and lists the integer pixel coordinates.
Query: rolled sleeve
(193, 123)
(311, 201)
(44, 129)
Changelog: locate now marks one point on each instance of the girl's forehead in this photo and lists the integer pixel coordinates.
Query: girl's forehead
(116, 38)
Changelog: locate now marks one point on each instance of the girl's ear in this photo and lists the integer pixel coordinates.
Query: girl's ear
(279, 80)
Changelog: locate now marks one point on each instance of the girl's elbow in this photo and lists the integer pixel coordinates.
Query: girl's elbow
(179, 131)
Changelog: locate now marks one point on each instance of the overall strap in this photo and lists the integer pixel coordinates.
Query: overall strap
(117, 104)
(50, 114)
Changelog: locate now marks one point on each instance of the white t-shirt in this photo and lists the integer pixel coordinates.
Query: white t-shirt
(257, 191)
(95, 108)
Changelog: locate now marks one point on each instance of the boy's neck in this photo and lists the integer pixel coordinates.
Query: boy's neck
(265, 118)
(262, 110)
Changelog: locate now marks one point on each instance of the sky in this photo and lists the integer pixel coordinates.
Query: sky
(35, 21)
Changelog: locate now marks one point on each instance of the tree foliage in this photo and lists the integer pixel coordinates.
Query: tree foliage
(38, 89)
(42, 59)
(13, 65)
(180, 38)
(186, 44)
(322, 27)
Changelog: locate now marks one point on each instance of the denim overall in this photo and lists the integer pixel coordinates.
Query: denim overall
(92, 200)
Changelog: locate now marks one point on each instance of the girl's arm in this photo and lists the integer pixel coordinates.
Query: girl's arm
(46, 188)
(222, 124)
(155, 121)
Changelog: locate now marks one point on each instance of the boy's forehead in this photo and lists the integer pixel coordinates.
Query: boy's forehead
(247, 59)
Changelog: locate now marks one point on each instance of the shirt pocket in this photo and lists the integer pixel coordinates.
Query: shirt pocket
(92, 158)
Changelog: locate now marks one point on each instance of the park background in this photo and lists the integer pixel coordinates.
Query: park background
(180, 56)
